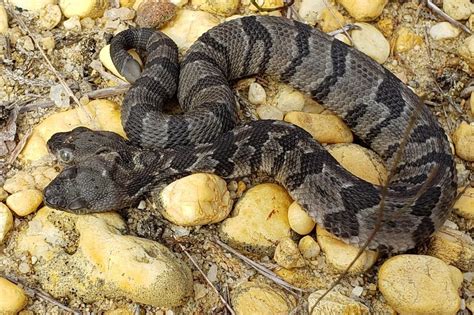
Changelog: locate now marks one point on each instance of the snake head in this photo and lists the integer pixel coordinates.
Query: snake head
(96, 184)
(81, 142)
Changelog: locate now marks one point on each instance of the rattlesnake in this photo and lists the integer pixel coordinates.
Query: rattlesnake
(107, 172)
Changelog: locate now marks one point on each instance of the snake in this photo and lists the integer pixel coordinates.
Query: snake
(105, 172)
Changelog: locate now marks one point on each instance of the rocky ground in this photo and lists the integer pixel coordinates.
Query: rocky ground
(171, 253)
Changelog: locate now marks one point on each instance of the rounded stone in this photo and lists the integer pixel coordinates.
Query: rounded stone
(458, 9)
(257, 94)
(6, 221)
(407, 40)
(288, 99)
(364, 10)
(419, 284)
(25, 202)
(196, 199)
(3, 20)
(444, 30)
(269, 112)
(369, 40)
(31, 5)
(299, 220)
(466, 51)
(287, 254)
(219, 7)
(84, 8)
(155, 13)
(453, 247)
(13, 298)
(463, 139)
(18, 182)
(464, 206)
(335, 303)
(308, 247)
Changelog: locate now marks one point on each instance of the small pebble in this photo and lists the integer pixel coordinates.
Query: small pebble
(453, 247)
(48, 43)
(334, 303)
(331, 20)
(20, 181)
(369, 40)
(83, 8)
(466, 50)
(269, 112)
(155, 13)
(3, 20)
(13, 297)
(257, 94)
(444, 30)
(24, 267)
(289, 99)
(310, 10)
(6, 221)
(287, 254)
(3, 194)
(219, 7)
(364, 10)
(299, 220)
(407, 40)
(463, 139)
(212, 273)
(25, 202)
(73, 24)
(357, 291)
(59, 96)
(464, 206)
(122, 14)
(50, 16)
(308, 247)
(31, 5)
(27, 43)
(458, 9)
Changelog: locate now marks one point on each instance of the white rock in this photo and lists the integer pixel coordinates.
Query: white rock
(50, 16)
(458, 9)
(288, 99)
(197, 199)
(257, 94)
(364, 10)
(123, 14)
(31, 5)
(6, 221)
(59, 96)
(73, 24)
(308, 247)
(444, 30)
(310, 10)
(3, 20)
(20, 181)
(188, 25)
(334, 303)
(299, 219)
(269, 112)
(83, 8)
(371, 42)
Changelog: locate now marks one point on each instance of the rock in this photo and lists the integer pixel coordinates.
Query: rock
(444, 30)
(371, 42)
(106, 115)
(59, 96)
(311, 106)
(260, 219)
(50, 16)
(385, 25)
(104, 57)
(453, 247)
(262, 299)
(360, 161)
(269, 112)
(3, 194)
(331, 20)
(219, 7)
(155, 13)
(197, 199)
(364, 10)
(458, 9)
(324, 128)
(419, 284)
(310, 10)
(84, 8)
(340, 255)
(463, 139)
(89, 257)
(464, 206)
(6, 221)
(288, 99)
(257, 94)
(43, 176)
(288, 255)
(31, 5)
(13, 297)
(3, 20)
(407, 40)
(471, 101)
(299, 220)
(48, 43)
(304, 278)
(73, 24)
(466, 51)
(122, 14)
(335, 303)
(20, 181)
(266, 4)
(188, 25)
(127, 3)
(25, 202)
(308, 247)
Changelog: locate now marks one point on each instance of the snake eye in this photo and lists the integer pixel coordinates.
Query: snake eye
(65, 155)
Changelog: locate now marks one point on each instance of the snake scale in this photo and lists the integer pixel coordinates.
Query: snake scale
(106, 172)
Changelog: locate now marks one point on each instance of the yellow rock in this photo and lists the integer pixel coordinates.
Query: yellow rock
(260, 218)
(340, 254)
(257, 94)
(289, 99)
(197, 199)
(466, 50)
(369, 40)
(288, 255)
(471, 100)
(360, 161)
(6, 221)
(13, 298)
(50, 16)
(127, 3)
(299, 220)
(269, 112)
(119, 311)
(25, 202)
(463, 139)
(419, 284)
(364, 10)
(105, 115)
(220, 7)
(324, 128)
(3, 20)
(335, 303)
(331, 20)
(104, 57)
(31, 5)
(83, 8)
(266, 4)
(464, 206)
(20, 181)
(261, 299)
(458, 9)
(188, 25)
(308, 247)
(87, 256)
(406, 40)
(453, 247)
(385, 25)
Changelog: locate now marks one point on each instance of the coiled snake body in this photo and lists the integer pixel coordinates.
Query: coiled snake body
(107, 172)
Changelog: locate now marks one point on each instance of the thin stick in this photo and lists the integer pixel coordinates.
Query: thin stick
(20, 145)
(41, 294)
(223, 300)
(261, 269)
(445, 16)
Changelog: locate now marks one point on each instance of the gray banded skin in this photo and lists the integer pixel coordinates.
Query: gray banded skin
(162, 148)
